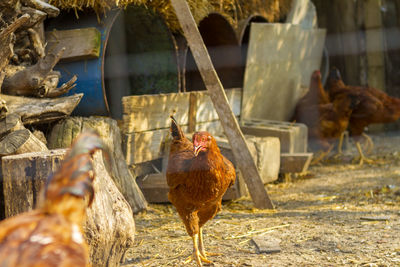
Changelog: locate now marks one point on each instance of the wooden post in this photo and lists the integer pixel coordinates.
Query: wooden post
(231, 127)
(374, 44)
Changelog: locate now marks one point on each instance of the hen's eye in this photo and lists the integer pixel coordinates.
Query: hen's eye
(209, 138)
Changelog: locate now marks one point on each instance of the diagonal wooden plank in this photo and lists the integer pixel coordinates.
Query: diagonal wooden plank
(231, 127)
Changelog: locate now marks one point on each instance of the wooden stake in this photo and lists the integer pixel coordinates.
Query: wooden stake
(231, 127)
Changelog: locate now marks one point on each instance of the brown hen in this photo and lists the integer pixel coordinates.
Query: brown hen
(326, 120)
(51, 236)
(198, 176)
(374, 107)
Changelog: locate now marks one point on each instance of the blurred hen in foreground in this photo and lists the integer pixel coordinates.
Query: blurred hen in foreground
(52, 234)
(198, 176)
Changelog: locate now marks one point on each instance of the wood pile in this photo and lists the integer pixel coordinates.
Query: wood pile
(29, 96)
(29, 85)
(31, 102)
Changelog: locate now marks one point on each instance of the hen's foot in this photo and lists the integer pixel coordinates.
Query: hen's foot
(363, 158)
(205, 254)
(197, 255)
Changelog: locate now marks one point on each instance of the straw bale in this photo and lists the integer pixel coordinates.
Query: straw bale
(232, 10)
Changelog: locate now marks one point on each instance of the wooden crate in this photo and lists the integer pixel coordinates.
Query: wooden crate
(146, 120)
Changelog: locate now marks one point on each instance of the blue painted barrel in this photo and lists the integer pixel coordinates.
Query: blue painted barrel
(137, 56)
(90, 72)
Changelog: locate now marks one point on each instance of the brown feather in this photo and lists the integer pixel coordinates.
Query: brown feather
(52, 234)
(197, 184)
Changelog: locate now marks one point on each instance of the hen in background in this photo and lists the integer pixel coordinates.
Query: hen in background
(374, 106)
(316, 93)
(306, 109)
(198, 176)
(326, 120)
(51, 236)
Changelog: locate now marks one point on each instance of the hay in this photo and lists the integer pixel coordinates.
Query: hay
(237, 10)
(232, 10)
(272, 10)
(199, 8)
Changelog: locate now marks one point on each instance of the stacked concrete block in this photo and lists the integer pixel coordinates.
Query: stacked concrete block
(293, 139)
(293, 136)
(265, 152)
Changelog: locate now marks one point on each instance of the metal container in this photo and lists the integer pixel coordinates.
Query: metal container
(137, 56)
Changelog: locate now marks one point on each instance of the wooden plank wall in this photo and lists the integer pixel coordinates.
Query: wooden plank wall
(146, 120)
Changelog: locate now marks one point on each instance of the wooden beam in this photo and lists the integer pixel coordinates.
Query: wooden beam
(193, 106)
(79, 44)
(236, 139)
(41, 110)
(374, 35)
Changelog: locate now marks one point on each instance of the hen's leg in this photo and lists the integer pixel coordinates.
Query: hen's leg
(197, 256)
(369, 143)
(362, 157)
(205, 215)
(201, 246)
(340, 145)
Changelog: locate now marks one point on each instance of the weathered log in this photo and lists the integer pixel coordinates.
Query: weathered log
(51, 10)
(3, 108)
(36, 42)
(23, 177)
(21, 141)
(109, 227)
(109, 231)
(17, 142)
(49, 86)
(36, 16)
(10, 123)
(40, 135)
(28, 81)
(64, 133)
(3, 104)
(2, 76)
(37, 111)
(6, 47)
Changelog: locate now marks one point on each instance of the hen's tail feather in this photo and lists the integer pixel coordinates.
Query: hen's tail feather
(176, 131)
(75, 176)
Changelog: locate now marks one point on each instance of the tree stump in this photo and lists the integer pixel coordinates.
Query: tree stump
(110, 231)
(21, 141)
(15, 139)
(65, 132)
(109, 227)
(23, 177)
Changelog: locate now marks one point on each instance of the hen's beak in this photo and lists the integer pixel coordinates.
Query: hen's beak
(197, 149)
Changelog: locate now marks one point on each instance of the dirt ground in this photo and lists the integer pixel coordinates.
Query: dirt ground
(321, 219)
